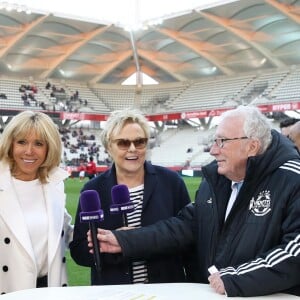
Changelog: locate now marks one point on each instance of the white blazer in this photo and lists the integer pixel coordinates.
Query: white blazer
(17, 264)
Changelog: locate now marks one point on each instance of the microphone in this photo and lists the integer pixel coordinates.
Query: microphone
(92, 213)
(121, 201)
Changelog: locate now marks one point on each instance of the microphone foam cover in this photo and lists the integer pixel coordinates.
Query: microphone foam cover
(120, 194)
(90, 201)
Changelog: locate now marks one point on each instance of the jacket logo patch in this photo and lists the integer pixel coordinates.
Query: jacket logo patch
(262, 205)
(209, 200)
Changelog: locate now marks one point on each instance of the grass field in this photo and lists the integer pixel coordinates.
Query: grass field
(79, 275)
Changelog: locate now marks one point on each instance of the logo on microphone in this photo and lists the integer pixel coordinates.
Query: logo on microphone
(121, 202)
(87, 217)
(117, 208)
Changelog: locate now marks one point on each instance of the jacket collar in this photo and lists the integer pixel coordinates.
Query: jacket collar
(150, 180)
(279, 151)
(55, 207)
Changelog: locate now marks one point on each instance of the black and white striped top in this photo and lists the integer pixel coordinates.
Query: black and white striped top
(139, 268)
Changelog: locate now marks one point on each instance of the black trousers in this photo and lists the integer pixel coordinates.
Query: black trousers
(42, 282)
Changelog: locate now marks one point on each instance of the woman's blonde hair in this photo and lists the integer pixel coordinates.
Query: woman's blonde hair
(25, 123)
(118, 119)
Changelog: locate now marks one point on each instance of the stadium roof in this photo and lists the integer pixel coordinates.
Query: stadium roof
(233, 38)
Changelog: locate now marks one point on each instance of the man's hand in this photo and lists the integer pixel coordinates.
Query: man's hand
(107, 241)
(217, 283)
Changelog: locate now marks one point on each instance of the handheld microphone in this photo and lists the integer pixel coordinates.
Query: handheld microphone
(92, 213)
(121, 201)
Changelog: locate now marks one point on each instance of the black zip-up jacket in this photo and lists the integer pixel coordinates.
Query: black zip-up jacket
(257, 249)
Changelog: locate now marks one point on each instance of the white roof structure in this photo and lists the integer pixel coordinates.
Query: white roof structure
(195, 43)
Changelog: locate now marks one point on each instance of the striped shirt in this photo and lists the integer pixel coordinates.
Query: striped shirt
(139, 268)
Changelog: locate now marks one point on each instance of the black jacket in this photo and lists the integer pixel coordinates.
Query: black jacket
(164, 195)
(257, 249)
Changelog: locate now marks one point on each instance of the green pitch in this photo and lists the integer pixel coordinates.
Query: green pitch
(79, 275)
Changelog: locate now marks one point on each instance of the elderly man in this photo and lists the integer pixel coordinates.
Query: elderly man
(294, 134)
(252, 241)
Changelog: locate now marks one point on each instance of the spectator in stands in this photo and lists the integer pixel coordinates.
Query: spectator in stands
(91, 168)
(43, 105)
(31, 184)
(294, 134)
(189, 155)
(3, 96)
(24, 96)
(256, 248)
(286, 124)
(76, 95)
(157, 193)
(34, 89)
(22, 88)
(26, 103)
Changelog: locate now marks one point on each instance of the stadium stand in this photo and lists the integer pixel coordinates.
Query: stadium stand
(288, 89)
(274, 86)
(94, 102)
(172, 145)
(211, 94)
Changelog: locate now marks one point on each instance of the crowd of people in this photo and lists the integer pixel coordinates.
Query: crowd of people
(241, 235)
(59, 98)
(81, 148)
(63, 100)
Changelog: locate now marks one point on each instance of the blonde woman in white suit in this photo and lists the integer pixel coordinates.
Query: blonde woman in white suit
(35, 227)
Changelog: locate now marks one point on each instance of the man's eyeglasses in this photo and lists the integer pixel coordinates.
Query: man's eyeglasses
(220, 141)
(124, 144)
